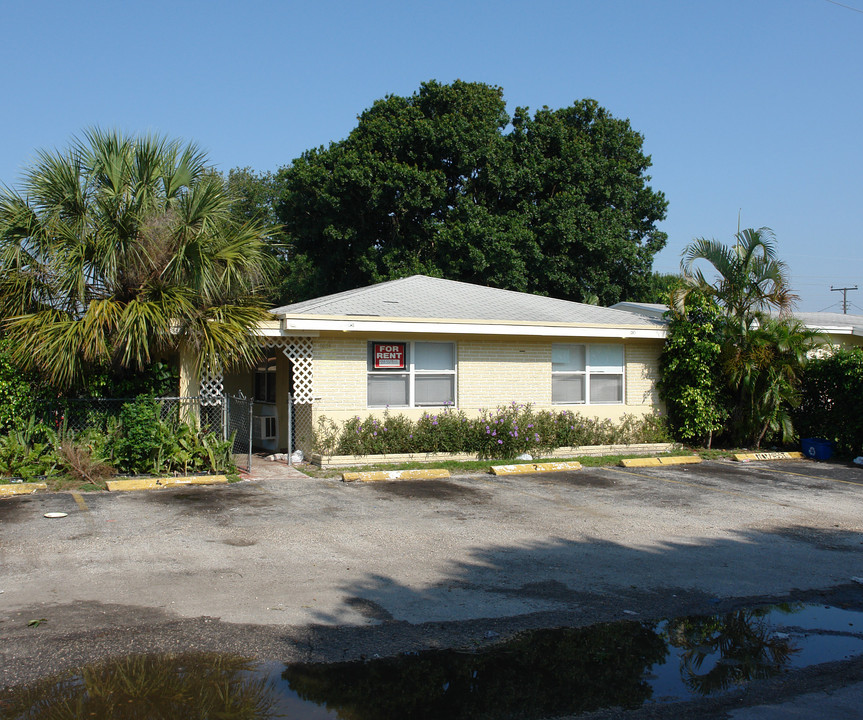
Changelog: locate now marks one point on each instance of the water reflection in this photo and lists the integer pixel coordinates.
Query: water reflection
(536, 674)
(192, 686)
(720, 651)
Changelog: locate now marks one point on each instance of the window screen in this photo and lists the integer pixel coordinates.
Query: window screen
(388, 390)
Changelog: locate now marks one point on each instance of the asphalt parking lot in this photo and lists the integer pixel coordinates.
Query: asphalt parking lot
(296, 551)
(279, 557)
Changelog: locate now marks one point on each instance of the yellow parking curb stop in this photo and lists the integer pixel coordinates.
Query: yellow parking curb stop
(530, 468)
(658, 461)
(152, 483)
(379, 475)
(746, 457)
(21, 489)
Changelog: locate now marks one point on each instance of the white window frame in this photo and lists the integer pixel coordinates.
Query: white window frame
(411, 371)
(590, 371)
(266, 369)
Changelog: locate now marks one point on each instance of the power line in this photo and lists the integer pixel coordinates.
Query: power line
(844, 291)
(847, 7)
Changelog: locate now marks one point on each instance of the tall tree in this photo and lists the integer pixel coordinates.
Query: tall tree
(764, 350)
(119, 249)
(439, 183)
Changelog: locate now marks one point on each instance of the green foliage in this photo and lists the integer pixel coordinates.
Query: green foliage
(20, 391)
(762, 357)
(118, 250)
(147, 444)
(141, 438)
(690, 379)
(505, 432)
(29, 452)
(161, 379)
(830, 400)
(658, 288)
(440, 184)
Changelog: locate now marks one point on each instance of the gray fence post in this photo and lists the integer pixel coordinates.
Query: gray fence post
(290, 429)
(224, 416)
(251, 420)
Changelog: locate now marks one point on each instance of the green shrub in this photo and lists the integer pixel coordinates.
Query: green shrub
(505, 432)
(141, 436)
(830, 400)
(29, 452)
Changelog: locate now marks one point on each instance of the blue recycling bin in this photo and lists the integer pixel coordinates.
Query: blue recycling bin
(817, 449)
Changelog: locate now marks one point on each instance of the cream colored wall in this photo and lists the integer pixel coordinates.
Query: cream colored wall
(239, 381)
(490, 372)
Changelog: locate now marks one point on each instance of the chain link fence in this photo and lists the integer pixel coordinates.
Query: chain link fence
(226, 416)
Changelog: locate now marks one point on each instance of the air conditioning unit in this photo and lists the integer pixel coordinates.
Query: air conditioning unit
(265, 427)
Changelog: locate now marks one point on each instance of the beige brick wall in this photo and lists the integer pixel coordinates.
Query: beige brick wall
(642, 372)
(491, 372)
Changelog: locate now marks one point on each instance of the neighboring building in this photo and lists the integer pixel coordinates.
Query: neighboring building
(839, 329)
(651, 310)
(421, 343)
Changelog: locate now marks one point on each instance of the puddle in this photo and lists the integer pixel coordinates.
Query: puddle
(536, 674)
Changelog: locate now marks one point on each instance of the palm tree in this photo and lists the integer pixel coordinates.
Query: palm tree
(767, 366)
(762, 356)
(121, 248)
(751, 279)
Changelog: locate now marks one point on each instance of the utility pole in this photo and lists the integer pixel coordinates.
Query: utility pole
(844, 292)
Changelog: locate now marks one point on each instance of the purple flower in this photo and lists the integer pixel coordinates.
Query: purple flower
(500, 442)
(375, 433)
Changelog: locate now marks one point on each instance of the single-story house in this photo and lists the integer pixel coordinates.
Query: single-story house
(421, 343)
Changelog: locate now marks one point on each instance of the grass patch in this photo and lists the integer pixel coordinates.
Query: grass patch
(473, 467)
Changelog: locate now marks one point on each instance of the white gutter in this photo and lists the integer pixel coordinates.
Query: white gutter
(291, 326)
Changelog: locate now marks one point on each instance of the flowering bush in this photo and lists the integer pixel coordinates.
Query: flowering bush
(504, 432)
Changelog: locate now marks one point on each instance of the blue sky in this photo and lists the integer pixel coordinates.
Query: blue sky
(747, 106)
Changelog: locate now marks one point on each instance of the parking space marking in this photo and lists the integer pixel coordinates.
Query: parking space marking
(812, 477)
(701, 487)
(79, 501)
(556, 497)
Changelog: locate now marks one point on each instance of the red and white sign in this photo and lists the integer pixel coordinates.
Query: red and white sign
(389, 357)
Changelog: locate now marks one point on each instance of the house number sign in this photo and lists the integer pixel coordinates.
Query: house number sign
(389, 356)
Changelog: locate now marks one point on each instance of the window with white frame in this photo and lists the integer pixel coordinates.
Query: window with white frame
(589, 374)
(265, 380)
(411, 374)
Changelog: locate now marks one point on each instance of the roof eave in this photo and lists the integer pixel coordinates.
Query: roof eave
(291, 325)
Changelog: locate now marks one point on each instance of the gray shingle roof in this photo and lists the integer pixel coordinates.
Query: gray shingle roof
(831, 320)
(426, 298)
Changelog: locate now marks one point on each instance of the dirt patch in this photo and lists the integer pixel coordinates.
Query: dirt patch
(239, 542)
(13, 509)
(432, 490)
(209, 499)
(582, 479)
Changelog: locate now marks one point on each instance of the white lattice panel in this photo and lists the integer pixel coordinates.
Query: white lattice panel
(212, 387)
(300, 351)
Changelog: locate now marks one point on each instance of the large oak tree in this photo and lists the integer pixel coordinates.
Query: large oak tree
(445, 183)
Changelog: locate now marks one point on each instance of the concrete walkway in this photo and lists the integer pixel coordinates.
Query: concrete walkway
(274, 470)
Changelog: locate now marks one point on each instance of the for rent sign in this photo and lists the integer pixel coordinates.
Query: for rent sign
(389, 356)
